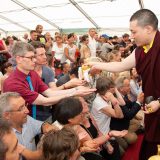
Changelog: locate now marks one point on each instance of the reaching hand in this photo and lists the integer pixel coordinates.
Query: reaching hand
(82, 91)
(152, 107)
(109, 148)
(87, 149)
(75, 82)
(94, 66)
(91, 144)
(118, 133)
(46, 127)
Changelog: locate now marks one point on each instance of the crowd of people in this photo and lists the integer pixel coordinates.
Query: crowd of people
(76, 97)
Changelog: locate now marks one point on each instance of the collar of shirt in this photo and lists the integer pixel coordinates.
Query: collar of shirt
(92, 39)
(57, 124)
(21, 74)
(150, 46)
(23, 129)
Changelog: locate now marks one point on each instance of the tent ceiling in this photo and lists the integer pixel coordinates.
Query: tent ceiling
(24, 15)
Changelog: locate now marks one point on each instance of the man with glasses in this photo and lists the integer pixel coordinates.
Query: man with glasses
(14, 109)
(40, 94)
(48, 77)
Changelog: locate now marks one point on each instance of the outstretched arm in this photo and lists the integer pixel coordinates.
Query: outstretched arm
(126, 64)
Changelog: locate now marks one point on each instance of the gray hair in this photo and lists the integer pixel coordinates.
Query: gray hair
(119, 81)
(5, 101)
(21, 48)
(145, 17)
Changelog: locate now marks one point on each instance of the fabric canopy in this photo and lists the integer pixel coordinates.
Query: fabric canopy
(54, 15)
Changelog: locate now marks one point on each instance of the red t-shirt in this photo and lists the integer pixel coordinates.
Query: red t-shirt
(17, 82)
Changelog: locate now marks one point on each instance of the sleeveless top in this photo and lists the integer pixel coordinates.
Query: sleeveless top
(92, 131)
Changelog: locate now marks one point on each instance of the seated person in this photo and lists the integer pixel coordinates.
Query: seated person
(28, 84)
(14, 110)
(60, 145)
(73, 112)
(65, 69)
(67, 77)
(48, 77)
(105, 106)
(135, 84)
(129, 111)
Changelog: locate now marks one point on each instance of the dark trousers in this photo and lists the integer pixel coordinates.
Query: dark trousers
(148, 149)
(116, 152)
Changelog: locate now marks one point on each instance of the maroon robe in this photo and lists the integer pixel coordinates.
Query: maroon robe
(148, 66)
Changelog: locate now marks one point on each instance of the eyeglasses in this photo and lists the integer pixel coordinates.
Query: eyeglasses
(22, 108)
(31, 58)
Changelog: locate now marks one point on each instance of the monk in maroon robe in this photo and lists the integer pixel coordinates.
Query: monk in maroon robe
(148, 66)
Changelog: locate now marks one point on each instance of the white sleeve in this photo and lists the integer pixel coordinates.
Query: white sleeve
(100, 103)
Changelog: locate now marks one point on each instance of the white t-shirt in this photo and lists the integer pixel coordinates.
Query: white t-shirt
(102, 120)
(92, 45)
(59, 52)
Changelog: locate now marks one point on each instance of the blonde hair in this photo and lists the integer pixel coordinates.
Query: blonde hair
(93, 59)
(108, 57)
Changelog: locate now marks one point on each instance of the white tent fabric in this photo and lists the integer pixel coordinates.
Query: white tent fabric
(107, 15)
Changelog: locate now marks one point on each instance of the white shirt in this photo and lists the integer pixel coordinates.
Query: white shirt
(135, 90)
(71, 52)
(92, 45)
(102, 120)
(59, 52)
(30, 129)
